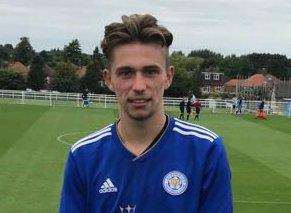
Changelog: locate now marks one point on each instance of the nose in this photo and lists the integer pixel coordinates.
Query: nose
(139, 83)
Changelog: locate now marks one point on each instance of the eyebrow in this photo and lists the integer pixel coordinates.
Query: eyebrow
(124, 68)
(151, 67)
(143, 68)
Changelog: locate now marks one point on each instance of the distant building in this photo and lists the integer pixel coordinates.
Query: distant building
(19, 68)
(81, 71)
(258, 86)
(231, 86)
(48, 79)
(212, 81)
(24, 71)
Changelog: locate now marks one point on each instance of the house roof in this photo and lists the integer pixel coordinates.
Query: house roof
(259, 80)
(253, 81)
(19, 67)
(81, 71)
(48, 70)
(232, 82)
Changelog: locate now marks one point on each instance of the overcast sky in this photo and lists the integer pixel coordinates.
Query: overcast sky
(225, 26)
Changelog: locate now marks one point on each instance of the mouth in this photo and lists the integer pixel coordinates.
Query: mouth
(139, 102)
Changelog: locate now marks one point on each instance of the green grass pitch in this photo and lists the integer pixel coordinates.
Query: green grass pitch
(34, 144)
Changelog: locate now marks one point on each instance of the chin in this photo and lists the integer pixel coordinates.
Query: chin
(140, 116)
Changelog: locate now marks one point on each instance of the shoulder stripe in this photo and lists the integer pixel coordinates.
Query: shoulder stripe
(96, 133)
(195, 125)
(92, 137)
(89, 141)
(176, 129)
(196, 129)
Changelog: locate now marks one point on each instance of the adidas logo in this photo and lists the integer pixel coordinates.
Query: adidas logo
(107, 186)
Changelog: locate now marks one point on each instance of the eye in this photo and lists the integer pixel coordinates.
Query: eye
(151, 71)
(125, 73)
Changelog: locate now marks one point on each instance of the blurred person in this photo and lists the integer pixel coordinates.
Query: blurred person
(239, 106)
(197, 106)
(182, 109)
(188, 108)
(85, 98)
(261, 113)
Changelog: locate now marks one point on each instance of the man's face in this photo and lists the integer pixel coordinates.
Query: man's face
(138, 75)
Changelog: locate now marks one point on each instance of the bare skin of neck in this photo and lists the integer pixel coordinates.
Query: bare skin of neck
(138, 135)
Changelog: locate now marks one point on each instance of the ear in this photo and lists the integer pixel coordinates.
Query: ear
(108, 80)
(169, 76)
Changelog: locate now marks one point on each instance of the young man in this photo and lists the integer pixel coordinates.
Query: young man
(261, 113)
(239, 105)
(188, 108)
(85, 98)
(146, 161)
(182, 108)
(197, 106)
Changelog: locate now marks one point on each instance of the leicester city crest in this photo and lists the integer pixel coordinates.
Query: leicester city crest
(175, 183)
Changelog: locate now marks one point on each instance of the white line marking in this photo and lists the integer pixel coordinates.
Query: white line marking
(262, 202)
(59, 138)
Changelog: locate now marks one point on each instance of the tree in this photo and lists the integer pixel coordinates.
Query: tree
(93, 78)
(211, 59)
(99, 57)
(24, 51)
(53, 57)
(275, 64)
(36, 76)
(179, 84)
(9, 79)
(85, 59)
(64, 78)
(9, 47)
(205, 54)
(234, 66)
(193, 67)
(6, 54)
(73, 53)
(187, 75)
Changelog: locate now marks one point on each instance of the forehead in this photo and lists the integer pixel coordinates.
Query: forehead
(138, 55)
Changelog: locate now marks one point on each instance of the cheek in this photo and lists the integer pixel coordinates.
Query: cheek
(121, 88)
(162, 83)
(159, 88)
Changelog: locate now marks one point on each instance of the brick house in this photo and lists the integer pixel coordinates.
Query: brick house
(48, 79)
(252, 87)
(231, 85)
(212, 81)
(81, 71)
(19, 68)
(24, 71)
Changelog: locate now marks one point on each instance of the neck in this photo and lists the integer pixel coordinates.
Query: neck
(138, 135)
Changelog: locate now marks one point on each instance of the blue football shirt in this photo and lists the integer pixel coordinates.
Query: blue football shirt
(185, 171)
